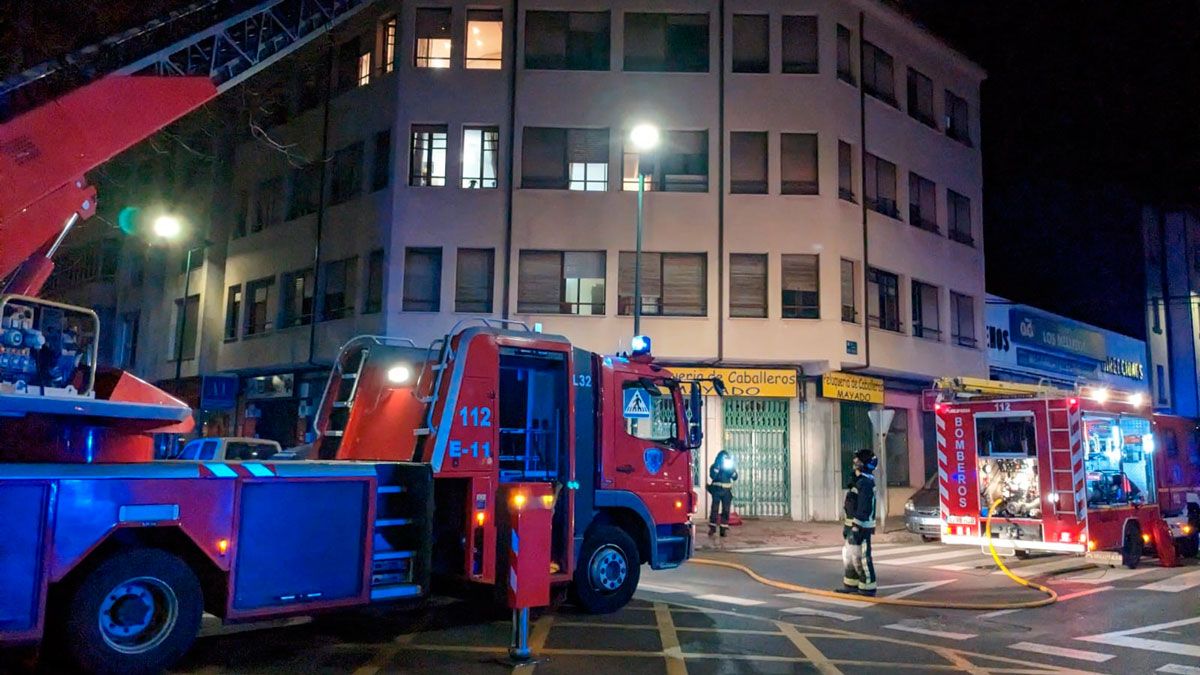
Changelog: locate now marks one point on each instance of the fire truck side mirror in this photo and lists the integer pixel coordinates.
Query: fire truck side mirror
(695, 406)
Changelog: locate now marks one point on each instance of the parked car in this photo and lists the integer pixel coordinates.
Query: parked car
(222, 449)
(921, 512)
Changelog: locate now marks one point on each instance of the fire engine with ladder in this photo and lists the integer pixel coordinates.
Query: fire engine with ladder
(497, 456)
(1074, 472)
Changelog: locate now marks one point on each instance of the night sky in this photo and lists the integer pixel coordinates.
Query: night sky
(1090, 110)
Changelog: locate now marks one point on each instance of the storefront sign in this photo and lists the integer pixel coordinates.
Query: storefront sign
(1047, 332)
(848, 387)
(756, 382)
(218, 392)
(271, 386)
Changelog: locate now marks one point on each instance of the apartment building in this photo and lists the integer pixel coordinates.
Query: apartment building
(812, 216)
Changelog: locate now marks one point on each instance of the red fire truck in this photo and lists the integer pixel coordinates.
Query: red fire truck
(1074, 472)
(497, 456)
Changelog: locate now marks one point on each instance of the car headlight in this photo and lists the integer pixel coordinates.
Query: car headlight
(909, 506)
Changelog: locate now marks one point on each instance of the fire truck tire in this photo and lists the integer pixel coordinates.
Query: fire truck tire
(1131, 547)
(608, 571)
(137, 612)
(1188, 547)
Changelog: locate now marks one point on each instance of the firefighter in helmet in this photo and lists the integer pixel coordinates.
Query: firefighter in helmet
(721, 476)
(859, 525)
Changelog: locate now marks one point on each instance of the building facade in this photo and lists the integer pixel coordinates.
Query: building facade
(812, 216)
(1172, 249)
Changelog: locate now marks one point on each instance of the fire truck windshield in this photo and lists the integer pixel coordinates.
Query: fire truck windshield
(659, 424)
(1119, 459)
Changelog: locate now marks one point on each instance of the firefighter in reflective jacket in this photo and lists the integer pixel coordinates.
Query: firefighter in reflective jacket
(859, 525)
(721, 476)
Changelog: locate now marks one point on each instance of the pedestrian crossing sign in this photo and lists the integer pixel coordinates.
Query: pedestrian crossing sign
(637, 405)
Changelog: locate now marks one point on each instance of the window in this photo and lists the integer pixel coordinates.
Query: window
(373, 302)
(258, 297)
(845, 55)
(481, 157)
(751, 43)
(388, 37)
(233, 312)
(241, 210)
(801, 288)
(364, 68)
(427, 168)
(268, 204)
(1012, 436)
(340, 288)
(306, 190)
(353, 64)
(661, 425)
(963, 308)
(673, 284)
(567, 40)
(297, 300)
(673, 43)
(748, 285)
(879, 74)
(800, 44)
(920, 98)
(958, 213)
(485, 39)
(896, 449)
(922, 203)
(381, 160)
(883, 300)
(925, 317)
(846, 171)
(958, 125)
(798, 164)
(422, 279)
(680, 164)
(881, 186)
(127, 351)
(1160, 382)
(561, 282)
(190, 318)
(558, 159)
(346, 183)
(473, 280)
(433, 38)
(748, 162)
(849, 291)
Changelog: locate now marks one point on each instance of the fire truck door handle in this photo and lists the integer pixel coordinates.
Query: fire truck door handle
(625, 468)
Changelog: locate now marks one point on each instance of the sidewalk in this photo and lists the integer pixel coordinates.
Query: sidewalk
(755, 533)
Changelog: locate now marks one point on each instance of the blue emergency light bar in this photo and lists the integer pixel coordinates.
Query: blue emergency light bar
(640, 345)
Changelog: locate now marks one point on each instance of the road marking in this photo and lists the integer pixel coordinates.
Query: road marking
(656, 588)
(848, 602)
(808, 649)
(1109, 575)
(914, 588)
(796, 552)
(930, 557)
(962, 567)
(1176, 669)
(1061, 598)
(762, 549)
(1077, 654)
(670, 640)
(1124, 638)
(1175, 584)
(879, 553)
(809, 611)
(932, 633)
(1039, 569)
(729, 600)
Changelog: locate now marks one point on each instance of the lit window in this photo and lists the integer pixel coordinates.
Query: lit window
(589, 176)
(428, 163)
(485, 39)
(389, 45)
(433, 38)
(364, 69)
(480, 157)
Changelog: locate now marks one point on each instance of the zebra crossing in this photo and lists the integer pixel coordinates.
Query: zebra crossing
(1150, 576)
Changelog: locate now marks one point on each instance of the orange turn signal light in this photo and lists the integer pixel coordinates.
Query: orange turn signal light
(518, 500)
(480, 517)
(222, 546)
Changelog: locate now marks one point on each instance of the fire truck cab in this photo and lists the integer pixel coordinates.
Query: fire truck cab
(1071, 472)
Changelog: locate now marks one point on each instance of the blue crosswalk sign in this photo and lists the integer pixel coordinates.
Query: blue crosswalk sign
(637, 405)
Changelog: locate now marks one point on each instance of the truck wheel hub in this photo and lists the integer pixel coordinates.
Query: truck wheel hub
(608, 568)
(137, 615)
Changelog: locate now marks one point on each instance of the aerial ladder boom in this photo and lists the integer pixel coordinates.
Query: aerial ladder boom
(135, 85)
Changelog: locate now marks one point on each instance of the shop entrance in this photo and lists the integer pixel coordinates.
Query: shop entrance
(856, 434)
(756, 434)
(278, 420)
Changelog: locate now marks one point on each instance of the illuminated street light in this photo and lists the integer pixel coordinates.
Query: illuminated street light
(644, 138)
(168, 226)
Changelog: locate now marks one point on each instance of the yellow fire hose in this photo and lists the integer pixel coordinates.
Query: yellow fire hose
(1051, 595)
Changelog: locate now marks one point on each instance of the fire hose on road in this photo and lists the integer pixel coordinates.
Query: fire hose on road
(1051, 594)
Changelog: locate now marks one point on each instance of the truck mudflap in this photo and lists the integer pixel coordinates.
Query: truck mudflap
(22, 565)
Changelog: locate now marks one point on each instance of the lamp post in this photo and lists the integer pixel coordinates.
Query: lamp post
(170, 227)
(645, 139)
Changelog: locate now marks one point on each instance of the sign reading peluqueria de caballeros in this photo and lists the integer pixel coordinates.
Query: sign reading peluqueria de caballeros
(754, 382)
(847, 387)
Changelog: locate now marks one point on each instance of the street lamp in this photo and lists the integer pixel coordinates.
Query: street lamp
(644, 138)
(167, 226)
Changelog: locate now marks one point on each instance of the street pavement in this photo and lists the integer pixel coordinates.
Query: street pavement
(709, 620)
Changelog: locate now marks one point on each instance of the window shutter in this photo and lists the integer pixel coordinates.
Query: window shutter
(539, 281)
(543, 158)
(799, 163)
(651, 282)
(683, 284)
(748, 285)
(588, 146)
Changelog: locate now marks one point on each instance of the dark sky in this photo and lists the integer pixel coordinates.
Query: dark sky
(1091, 108)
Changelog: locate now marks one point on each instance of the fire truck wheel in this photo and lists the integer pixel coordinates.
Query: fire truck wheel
(137, 612)
(1131, 548)
(608, 571)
